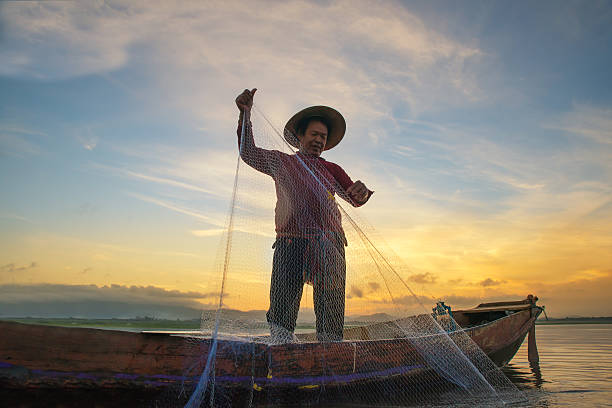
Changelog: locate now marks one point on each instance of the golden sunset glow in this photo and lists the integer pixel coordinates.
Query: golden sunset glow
(491, 166)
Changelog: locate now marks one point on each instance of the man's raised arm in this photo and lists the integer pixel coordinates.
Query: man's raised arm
(265, 161)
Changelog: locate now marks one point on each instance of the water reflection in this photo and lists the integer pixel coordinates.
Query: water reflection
(537, 374)
(574, 370)
(527, 376)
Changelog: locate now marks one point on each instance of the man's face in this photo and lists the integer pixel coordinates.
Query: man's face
(313, 140)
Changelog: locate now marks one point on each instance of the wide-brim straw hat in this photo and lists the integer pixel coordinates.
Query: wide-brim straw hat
(335, 132)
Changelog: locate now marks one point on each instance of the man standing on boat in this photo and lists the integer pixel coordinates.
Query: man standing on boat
(309, 246)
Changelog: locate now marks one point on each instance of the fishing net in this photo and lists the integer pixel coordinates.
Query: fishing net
(313, 305)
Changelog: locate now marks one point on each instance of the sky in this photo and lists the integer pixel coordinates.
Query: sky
(484, 128)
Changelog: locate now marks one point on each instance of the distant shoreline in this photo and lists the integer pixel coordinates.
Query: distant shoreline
(575, 320)
(131, 324)
(137, 324)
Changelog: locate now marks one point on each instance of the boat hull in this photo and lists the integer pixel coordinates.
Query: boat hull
(34, 357)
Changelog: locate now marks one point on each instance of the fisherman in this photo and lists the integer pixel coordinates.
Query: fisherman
(310, 241)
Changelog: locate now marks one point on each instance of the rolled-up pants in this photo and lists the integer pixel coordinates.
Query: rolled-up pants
(288, 277)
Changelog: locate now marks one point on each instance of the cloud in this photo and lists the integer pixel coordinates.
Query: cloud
(423, 278)
(373, 285)
(208, 232)
(176, 208)
(469, 197)
(4, 127)
(19, 141)
(357, 292)
(587, 294)
(203, 170)
(87, 139)
(251, 224)
(16, 145)
(154, 178)
(593, 123)
(480, 183)
(12, 268)
(101, 301)
(14, 292)
(368, 55)
(415, 300)
(490, 282)
(15, 217)
(63, 40)
(590, 274)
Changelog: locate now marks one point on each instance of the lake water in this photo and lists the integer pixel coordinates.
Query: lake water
(575, 368)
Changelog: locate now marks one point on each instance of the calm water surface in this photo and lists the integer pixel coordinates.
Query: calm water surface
(575, 368)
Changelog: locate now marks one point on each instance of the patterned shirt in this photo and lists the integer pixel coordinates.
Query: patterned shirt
(305, 188)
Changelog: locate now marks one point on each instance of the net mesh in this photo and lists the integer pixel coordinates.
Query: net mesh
(301, 279)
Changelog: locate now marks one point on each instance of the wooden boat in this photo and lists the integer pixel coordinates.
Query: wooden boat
(36, 357)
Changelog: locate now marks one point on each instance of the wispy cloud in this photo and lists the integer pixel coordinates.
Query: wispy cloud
(16, 217)
(359, 46)
(590, 122)
(19, 140)
(155, 179)
(203, 169)
(16, 145)
(174, 207)
(11, 268)
(4, 127)
(55, 44)
(168, 181)
(253, 224)
(208, 232)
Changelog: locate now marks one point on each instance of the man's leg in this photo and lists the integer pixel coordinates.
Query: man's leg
(328, 296)
(286, 287)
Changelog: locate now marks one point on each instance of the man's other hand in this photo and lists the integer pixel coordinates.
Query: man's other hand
(358, 192)
(244, 101)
